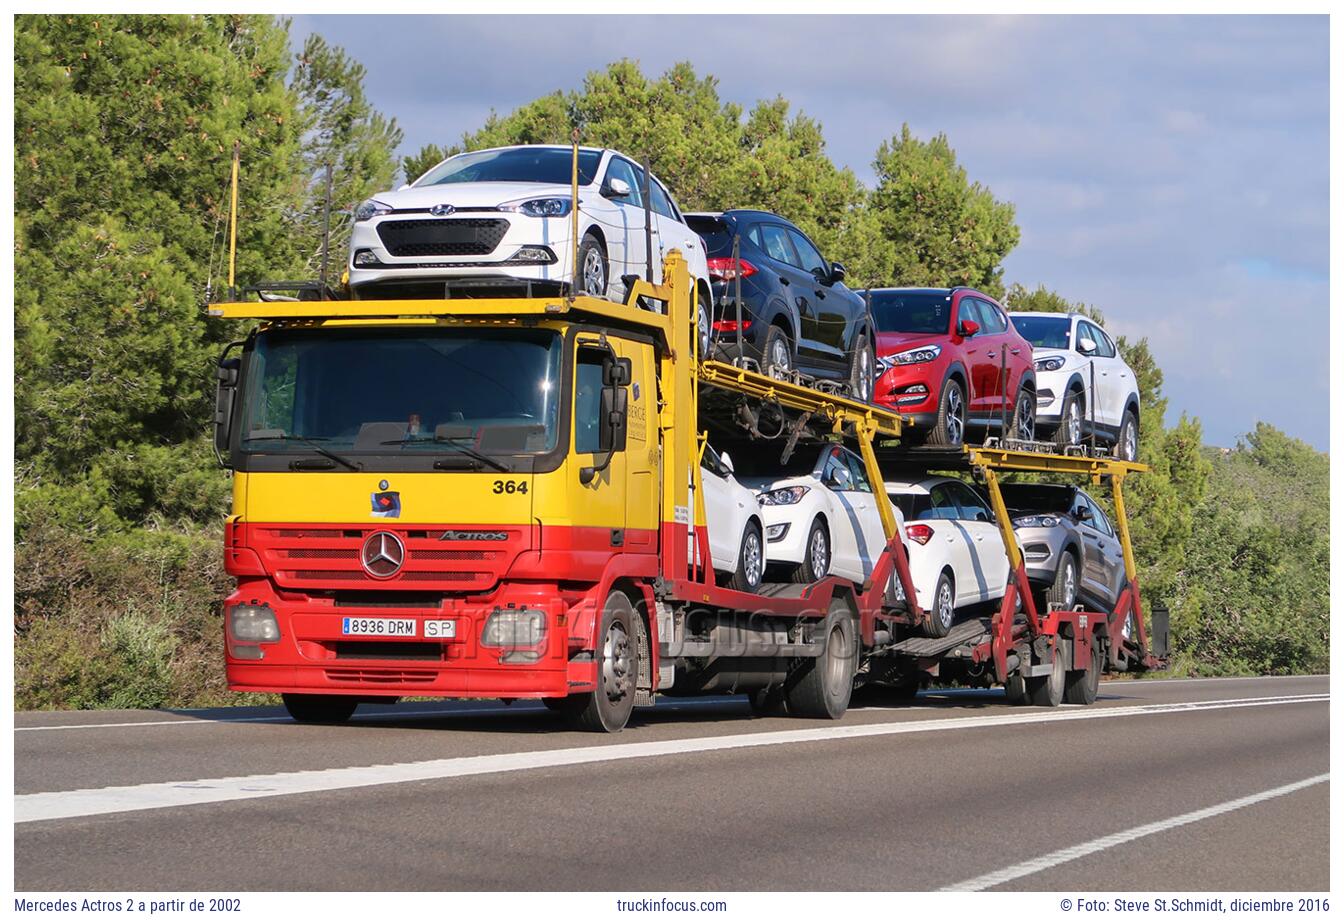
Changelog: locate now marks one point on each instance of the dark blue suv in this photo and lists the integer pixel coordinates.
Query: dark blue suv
(796, 313)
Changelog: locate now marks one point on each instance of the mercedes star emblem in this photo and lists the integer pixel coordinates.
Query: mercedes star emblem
(383, 554)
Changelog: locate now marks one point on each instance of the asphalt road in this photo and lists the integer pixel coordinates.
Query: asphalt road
(1162, 785)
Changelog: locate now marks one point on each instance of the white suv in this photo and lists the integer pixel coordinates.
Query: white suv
(1080, 377)
(500, 219)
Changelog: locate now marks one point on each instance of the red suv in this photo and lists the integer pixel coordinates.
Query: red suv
(948, 358)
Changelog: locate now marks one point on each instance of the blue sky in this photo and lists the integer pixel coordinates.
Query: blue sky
(1171, 170)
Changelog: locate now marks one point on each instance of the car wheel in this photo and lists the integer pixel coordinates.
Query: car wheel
(1070, 430)
(702, 326)
(1127, 445)
(816, 563)
(592, 267)
(778, 357)
(950, 428)
(607, 708)
(750, 561)
(1064, 591)
(862, 370)
(1024, 415)
(820, 688)
(944, 609)
(318, 709)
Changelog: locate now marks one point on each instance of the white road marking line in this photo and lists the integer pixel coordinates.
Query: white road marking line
(48, 806)
(361, 717)
(1050, 860)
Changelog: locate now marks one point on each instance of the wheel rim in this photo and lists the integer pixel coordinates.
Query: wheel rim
(945, 604)
(1131, 443)
(702, 326)
(616, 662)
(751, 558)
(865, 382)
(779, 355)
(956, 425)
(818, 555)
(1075, 423)
(836, 655)
(594, 273)
(1026, 418)
(1070, 583)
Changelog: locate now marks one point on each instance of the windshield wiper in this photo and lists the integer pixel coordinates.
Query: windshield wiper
(310, 442)
(452, 442)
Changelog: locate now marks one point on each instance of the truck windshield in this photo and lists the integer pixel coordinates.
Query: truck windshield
(379, 391)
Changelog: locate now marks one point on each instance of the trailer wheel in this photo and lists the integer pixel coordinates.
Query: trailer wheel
(944, 609)
(820, 688)
(1081, 686)
(1015, 688)
(607, 708)
(1049, 690)
(318, 709)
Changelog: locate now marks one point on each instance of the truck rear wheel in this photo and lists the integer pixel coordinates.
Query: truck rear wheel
(1049, 690)
(319, 709)
(819, 688)
(607, 708)
(1081, 686)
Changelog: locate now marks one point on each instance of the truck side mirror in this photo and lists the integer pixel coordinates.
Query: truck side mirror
(226, 391)
(611, 434)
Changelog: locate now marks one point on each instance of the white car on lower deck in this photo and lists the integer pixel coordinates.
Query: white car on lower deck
(733, 523)
(956, 551)
(499, 221)
(824, 521)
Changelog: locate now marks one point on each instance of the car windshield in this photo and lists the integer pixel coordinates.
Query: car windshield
(551, 165)
(380, 391)
(1022, 497)
(1043, 331)
(906, 311)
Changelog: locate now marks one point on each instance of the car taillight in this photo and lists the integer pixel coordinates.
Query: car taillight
(728, 269)
(730, 325)
(920, 533)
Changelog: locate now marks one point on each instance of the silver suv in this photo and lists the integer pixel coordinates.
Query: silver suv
(1071, 549)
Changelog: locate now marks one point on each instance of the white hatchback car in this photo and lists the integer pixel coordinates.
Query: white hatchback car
(733, 522)
(1071, 352)
(500, 219)
(824, 521)
(955, 548)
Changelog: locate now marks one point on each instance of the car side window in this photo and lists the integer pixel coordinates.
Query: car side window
(836, 470)
(754, 234)
(969, 310)
(1088, 331)
(1105, 347)
(810, 256)
(777, 244)
(1099, 520)
(859, 475)
(944, 505)
(994, 320)
(973, 507)
(659, 200)
(624, 169)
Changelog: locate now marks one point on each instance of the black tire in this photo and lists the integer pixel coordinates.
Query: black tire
(1127, 442)
(820, 688)
(950, 428)
(607, 708)
(1080, 686)
(703, 299)
(943, 610)
(1065, 589)
(750, 568)
(1071, 415)
(816, 563)
(768, 702)
(318, 709)
(1049, 690)
(777, 353)
(561, 704)
(1016, 690)
(862, 370)
(1023, 424)
(594, 279)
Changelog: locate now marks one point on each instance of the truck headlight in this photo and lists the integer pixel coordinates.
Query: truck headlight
(521, 628)
(253, 623)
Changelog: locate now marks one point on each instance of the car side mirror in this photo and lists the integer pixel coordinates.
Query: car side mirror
(1087, 346)
(1083, 514)
(727, 462)
(967, 328)
(226, 390)
(838, 273)
(839, 478)
(616, 188)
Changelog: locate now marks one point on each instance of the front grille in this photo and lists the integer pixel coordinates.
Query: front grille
(409, 600)
(443, 237)
(321, 553)
(380, 676)
(389, 651)
(466, 555)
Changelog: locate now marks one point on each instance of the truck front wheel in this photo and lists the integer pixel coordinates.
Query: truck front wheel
(322, 710)
(607, 708)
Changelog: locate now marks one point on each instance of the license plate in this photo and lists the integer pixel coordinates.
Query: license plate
(440, 629)
(377, 626)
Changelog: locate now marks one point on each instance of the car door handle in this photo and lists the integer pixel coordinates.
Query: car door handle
(1017, 351)
(820, 293)
(784, 281)
(991, 354)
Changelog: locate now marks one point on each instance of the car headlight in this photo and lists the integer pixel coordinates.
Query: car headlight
(370, 209)
(514, 628)
(1036, 520)
(790, 496)
(253, 623)
(1053, 363)
(921, 355)
(539, 207)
